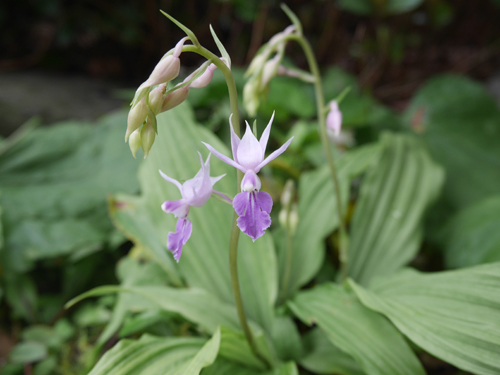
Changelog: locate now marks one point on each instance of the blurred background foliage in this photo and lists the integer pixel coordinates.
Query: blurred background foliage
(413, 66)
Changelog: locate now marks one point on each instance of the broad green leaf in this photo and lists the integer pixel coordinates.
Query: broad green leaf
(460, 123)
(386, 228)
(204, 262)
(322, 357)
(158, 356)
(43, 334)
(54, 183)
(367, 336)
(151, 318)
(185, 302)
(131, 272)
(318, 216)
(286, 339)
(234, 346)
(28, 352)
(453, 315)
(223, 366)
(472, 236)
(46, 367)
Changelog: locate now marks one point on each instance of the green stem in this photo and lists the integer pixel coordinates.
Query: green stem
(235, 232)
(320, 104)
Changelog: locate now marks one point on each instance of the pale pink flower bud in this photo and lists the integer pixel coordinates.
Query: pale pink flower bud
(175, 98)
(334, 118)
(270, 69)
(136, 117)
(205, 78)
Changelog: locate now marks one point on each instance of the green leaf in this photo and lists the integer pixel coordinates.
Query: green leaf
(204, 262)
(223, 366)
(472, 237)
(158, 356)
(453, 315)
(387, 223)
(318, 215)
(221, 47)
(28, 352)
(188, 32)
(323, 357)
(234, 346)
(286, 339)
(186, 302)
(22, 296)
(43, 334)
(46, 367)
(460, 123)
(367, 336)
(54, 183)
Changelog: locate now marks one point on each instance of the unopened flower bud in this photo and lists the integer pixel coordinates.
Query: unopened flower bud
(334, 118)
(283, 218)
(175, 98)
(136, 117)
(270, 69)
(147, 138)
(205, 78)
(251, 98)
(156, 98)
(167, 69)
(287, 194)
(134, 141)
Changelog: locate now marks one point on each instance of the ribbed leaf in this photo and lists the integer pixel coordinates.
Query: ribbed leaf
(204, 262)
(225, 367)
(185, 302)
(323, 357)
(472, 236)
(318, 215)
(158, 356)
(453, 315)
(367, 336)
(387, 223)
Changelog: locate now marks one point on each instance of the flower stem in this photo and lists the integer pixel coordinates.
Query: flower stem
(320, 104)
(235, 232)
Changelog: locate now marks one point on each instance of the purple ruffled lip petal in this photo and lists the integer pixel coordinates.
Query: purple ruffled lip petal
(177, 240)
(253, 209)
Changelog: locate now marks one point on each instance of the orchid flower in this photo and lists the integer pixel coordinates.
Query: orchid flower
(195, 192)
(252, 205)
(334, 118)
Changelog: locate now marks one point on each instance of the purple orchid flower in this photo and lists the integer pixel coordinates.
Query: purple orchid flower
(252, 205)
(195, 192)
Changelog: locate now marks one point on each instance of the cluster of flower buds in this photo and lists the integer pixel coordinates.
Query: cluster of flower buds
(288, 216)
(148, 102)
(263, 68)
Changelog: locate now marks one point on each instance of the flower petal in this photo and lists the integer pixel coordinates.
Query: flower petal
(265, 136)
(274, 155)
(249, 151)
(176, 240)
(224, 158)
(253, 219)
(171, 180)
(179, 208)
(197, 191)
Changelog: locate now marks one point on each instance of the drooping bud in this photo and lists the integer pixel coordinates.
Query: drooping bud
(250, 182)
(134, 141)
(287, 194)
(334, 118)
(156, 98)
(270, 69)
(175, 98)
(251, 98)
(167, 69)
(283, 218)
(147, 138)
(136, 117)
(205, 78)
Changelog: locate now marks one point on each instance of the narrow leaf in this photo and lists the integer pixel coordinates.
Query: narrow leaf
(221, 47)
(293, 17)
(188, 32)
